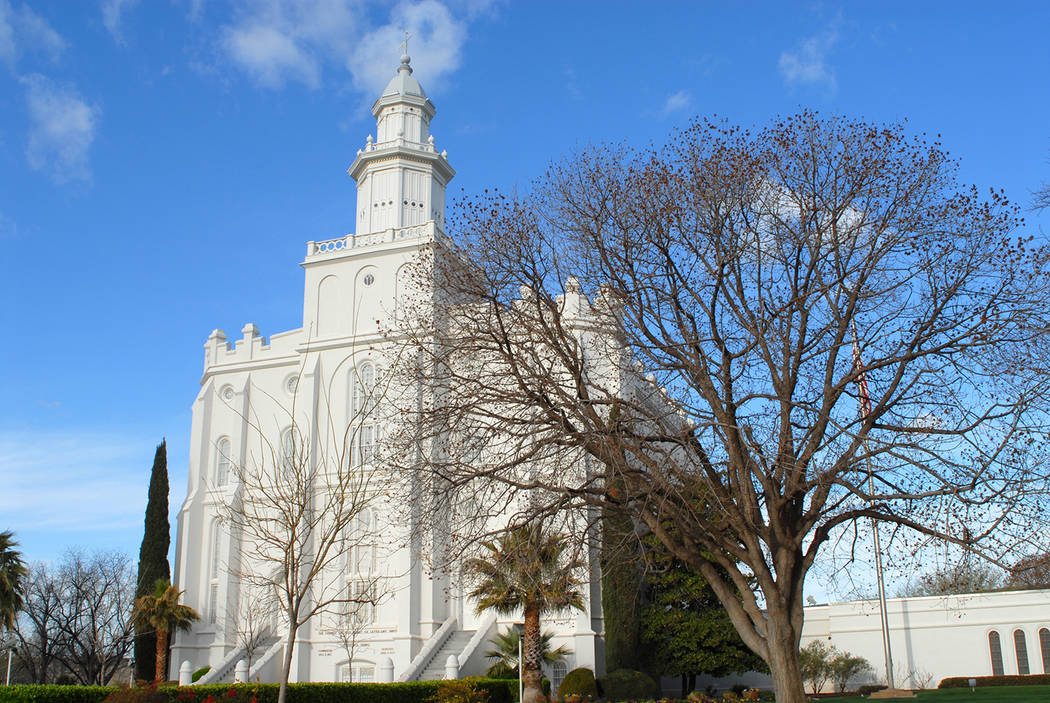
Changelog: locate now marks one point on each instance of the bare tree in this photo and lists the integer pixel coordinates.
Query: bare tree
(352, 622)
(77, 618)
(94, 619)
(765, 339)
(36, 629)
(252, 624)
(295, 508)
(967, 575)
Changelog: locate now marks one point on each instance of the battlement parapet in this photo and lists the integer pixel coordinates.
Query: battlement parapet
(338, 247)
(251, 347)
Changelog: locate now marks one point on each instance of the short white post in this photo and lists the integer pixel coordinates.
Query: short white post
(240, 673)
(386, 670)
(451, 668)
(186, 673)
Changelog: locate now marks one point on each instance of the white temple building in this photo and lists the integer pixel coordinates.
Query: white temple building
(354, 285)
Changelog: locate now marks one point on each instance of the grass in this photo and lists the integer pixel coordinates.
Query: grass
(984, 694)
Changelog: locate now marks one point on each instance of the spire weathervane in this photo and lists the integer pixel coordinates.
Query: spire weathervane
(404, 45)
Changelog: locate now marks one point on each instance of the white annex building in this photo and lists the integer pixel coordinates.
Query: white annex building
(353, 287)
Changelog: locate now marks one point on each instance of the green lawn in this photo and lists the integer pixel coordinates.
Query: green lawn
(1015, 694)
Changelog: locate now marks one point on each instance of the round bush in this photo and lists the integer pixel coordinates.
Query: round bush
(627, 684)
(579, 682)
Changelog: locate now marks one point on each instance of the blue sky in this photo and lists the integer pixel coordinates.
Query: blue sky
(164, 162)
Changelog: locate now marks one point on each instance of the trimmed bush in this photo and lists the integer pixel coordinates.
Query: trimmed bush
(578, 682)
(55, 694)
(627, 684)
(1009, 680)
(870, 688)
(498, 691)
(199, 673)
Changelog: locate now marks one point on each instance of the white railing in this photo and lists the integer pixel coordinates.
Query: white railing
(356, 241)
(430, 648)
(225, 668)
(268, 655)
(476, 640)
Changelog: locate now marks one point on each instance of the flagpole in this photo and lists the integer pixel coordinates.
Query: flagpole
(862, 383)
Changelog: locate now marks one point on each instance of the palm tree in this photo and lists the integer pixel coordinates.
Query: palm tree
(163, 613)
(506, 653)
(525, 570)
(12, 579)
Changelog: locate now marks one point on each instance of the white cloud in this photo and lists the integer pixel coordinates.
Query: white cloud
(71, 482)
(286, 41)
(290, 41)
(61, 131)
(271, 56)
(435, 46)
(808, 63)
(677, 101)
(25, 31)
(111, 16)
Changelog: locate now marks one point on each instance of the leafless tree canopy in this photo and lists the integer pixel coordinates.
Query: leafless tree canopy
(696, 323)
(77, 618)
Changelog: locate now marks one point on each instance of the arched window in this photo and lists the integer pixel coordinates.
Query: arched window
(364, 381)
(1044, 646)
(558, 671)
(213, 574)
(1021, 649)
(997, 653)
(357, 671)
(222, 461)
(288, 452)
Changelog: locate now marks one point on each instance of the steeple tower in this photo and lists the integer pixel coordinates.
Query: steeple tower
(400, 176)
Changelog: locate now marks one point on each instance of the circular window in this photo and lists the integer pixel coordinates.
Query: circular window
(226, 393)
(369, 279)
(291, 384)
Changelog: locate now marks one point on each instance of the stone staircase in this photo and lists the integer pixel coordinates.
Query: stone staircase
(454, 645)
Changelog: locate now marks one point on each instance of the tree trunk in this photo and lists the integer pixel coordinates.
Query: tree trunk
(531, 678)
(161, 674)
(282, 692)
(783, 660)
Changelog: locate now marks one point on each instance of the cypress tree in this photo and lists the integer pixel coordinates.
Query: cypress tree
(153, 558)
(622, 590)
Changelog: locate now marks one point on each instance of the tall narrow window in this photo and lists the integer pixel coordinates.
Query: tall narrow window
(213, 573)
(558, 671)
(362, 552)
(288, 456)
(1044, 646)
(364, 382)
(997, 653)
(1021, 649)
(222, 462)
(365, 444)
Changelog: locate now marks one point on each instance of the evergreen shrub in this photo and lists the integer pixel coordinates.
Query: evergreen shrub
(498, 691)
(628, 684)
(1008, 680)
(54, 694)
(199, 673)
(578, 682)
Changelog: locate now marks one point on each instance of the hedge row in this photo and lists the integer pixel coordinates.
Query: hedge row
(499, 691)
(55, 694)
(1012, 680)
